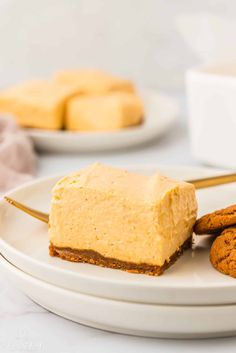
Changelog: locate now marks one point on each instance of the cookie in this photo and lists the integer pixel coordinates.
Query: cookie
(217, 221)
(223, 252)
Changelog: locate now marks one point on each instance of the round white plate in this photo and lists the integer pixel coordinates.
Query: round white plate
(161, 112)
(125, 317)
(190, 281)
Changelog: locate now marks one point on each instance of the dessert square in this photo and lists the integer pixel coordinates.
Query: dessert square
(103, 113)
(94, 81)
(38, 103)
(114, 218)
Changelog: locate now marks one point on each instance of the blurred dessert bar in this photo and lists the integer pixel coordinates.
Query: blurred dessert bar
(93, 81)
(38, 104)
(79, 100)
(103, 113)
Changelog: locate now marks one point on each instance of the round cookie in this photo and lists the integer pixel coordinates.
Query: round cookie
(223, 252)
(216, 221)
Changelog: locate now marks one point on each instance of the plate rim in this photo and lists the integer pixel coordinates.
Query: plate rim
(42, 293)
(22, 273)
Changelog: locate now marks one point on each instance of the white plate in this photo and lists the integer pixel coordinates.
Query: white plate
(191, 281)
(161, 112)
(125, 317)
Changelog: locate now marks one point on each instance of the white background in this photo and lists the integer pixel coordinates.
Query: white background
(135, 38)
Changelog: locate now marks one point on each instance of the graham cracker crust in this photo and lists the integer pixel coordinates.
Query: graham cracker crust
(94, 258)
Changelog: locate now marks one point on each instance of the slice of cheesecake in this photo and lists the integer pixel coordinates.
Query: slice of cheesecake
(104, 112)
(114, 218)
(89, 81)
(38, 103)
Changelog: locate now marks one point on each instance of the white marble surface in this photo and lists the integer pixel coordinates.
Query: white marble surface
(26, 327)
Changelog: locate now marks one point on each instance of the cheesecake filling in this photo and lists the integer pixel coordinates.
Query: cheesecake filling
(121, 215)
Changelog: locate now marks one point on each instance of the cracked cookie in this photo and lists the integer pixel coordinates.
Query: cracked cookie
(216, 222)
(223, 252)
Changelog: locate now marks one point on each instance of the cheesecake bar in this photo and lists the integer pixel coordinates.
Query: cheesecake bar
(104, 112)
(94, 81)
(38, 103)
(114, 218)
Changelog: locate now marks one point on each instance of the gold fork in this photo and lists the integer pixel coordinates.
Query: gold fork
(44, 217)
(198, 183)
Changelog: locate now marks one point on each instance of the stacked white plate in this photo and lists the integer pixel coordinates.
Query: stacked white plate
(191, 299)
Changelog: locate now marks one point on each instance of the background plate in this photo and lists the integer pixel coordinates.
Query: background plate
(161, 112)
(191, 281)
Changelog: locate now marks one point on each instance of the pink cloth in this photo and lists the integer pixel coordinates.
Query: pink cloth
(17, 157)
